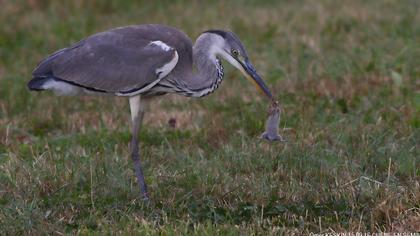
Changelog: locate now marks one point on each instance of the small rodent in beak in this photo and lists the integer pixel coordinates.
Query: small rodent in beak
(272, 124)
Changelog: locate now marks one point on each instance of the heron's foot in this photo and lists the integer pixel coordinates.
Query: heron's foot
(272, 137)
(145, 198)
(144, 194)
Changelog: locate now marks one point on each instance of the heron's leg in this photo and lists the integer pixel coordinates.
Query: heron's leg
(137, 113)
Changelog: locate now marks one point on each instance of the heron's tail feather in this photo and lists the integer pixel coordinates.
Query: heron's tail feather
(36, 83)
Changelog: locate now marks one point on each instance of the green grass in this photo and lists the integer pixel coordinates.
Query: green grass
(345, 72)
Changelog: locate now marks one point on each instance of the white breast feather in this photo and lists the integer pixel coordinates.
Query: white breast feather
(168, 67)
(161, 44)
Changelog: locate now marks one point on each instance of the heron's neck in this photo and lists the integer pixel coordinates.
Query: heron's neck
(208, 70)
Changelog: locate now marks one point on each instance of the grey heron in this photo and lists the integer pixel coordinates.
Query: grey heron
(143, 61)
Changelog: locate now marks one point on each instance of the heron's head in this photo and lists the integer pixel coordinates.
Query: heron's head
(229, 47)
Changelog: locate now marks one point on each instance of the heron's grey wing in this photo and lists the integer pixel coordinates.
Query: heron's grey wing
(112, 62)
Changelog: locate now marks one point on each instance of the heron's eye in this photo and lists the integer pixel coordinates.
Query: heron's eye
(235, 52)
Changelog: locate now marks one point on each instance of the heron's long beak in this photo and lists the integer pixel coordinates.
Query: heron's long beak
(252, 75)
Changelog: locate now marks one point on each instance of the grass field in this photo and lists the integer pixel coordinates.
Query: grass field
(347, 76)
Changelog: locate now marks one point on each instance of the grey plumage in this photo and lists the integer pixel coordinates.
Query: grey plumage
(114, 61)
(143, 60)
